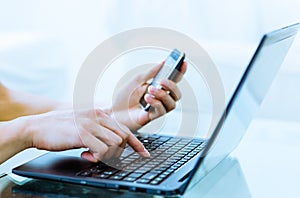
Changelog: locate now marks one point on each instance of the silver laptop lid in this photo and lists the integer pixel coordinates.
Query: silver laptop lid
(245, 101)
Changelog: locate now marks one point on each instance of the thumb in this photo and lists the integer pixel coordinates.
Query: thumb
(87, 155)
(152, 72)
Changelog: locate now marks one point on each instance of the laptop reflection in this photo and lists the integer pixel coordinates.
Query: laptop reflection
(225, 180)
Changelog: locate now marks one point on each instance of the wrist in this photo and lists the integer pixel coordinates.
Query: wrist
(14, 138)
(24, 134)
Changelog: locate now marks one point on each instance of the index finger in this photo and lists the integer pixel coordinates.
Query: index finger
(137, 146)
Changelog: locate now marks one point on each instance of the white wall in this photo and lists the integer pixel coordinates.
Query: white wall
(43, 43)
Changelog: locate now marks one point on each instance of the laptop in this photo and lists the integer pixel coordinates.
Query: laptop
(176, 163)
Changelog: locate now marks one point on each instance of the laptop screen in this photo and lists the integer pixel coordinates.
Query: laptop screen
(246, 99)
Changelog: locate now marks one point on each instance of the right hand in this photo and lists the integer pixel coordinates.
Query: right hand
(126, 107)
(61, 130)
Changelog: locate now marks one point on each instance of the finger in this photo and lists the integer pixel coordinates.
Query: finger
(134, 142)
(138, 146)
(157, 108)
(126, 134)
(97, 149)
(183, 67)
(119, 129)
(161, 95)
(139, 92)
(171, 86)
(105, 135)
(109, 123)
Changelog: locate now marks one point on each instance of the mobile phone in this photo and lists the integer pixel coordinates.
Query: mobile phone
(169, 70)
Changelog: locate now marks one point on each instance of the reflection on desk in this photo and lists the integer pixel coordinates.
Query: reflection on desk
(226, 180)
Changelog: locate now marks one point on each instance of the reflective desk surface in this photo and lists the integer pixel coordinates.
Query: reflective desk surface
(226, 180)
(265, 164)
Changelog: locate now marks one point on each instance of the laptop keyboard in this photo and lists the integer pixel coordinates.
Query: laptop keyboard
(167, 155)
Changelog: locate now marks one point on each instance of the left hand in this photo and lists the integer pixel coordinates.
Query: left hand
(126, 108)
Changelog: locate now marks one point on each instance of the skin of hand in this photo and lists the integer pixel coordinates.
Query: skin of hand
(30, 121)
(92, 129)
(126, 108)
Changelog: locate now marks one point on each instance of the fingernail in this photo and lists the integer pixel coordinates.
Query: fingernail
(152, 89)
(165, 82)
(146, 153)
(148, 97)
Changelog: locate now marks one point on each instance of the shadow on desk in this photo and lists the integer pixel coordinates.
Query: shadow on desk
(226, 180)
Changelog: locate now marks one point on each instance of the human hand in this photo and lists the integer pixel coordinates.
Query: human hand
(126, 107)
(92, 129)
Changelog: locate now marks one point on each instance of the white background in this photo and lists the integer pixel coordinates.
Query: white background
(43, 44)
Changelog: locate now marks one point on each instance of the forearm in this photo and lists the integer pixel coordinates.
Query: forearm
(15, 104)
(14, 138)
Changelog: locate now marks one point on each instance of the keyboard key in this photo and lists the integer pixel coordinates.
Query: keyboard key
(164, 139)
(142, 170)
(133, 156)
(129, 179)
(116, 177)
(155, 182)
(143, 181)
(129, 169)
(163, 175)
(102, 176)
(169, 171)
(167, 155)
(135, 175)
(175, 166)
(122, 173)
(109, 172)
(149, 176)
(85, 173)
(159, 169)
(158, 179)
